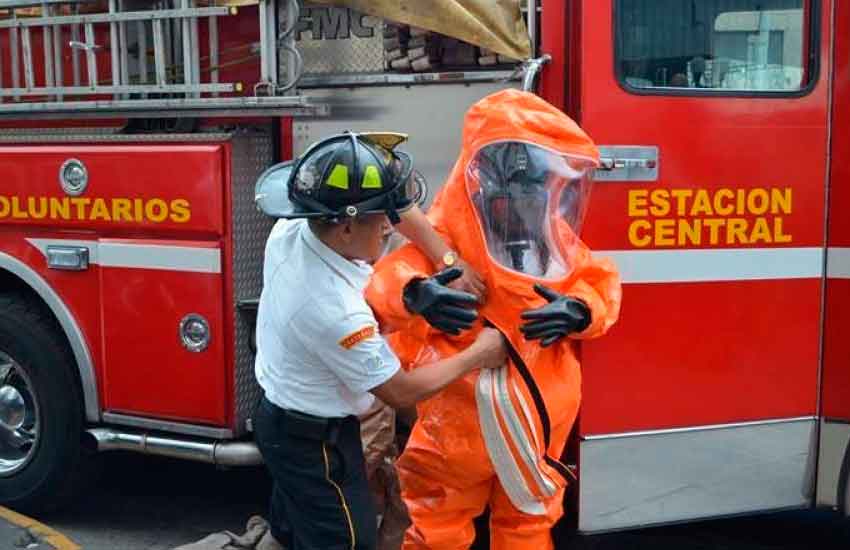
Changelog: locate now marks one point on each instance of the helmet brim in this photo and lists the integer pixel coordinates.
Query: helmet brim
(271, 193)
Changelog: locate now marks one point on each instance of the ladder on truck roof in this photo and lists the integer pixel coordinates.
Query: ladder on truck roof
(155, 67)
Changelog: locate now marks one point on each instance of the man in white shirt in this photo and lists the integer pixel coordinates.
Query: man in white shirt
(320, 356)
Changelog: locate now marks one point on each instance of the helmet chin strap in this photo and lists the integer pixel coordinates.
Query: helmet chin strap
(392, 213)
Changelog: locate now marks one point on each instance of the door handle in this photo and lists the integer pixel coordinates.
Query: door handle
(627, 163)
(608, 164)
(68, 258)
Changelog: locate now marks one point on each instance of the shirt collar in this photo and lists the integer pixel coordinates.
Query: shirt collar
(355, 272)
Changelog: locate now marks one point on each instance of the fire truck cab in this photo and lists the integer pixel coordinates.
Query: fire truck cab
(132, 133)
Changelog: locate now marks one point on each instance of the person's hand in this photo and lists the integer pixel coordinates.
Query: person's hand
(470, 281)
(490, 348)
(561, 316)
(444, 308)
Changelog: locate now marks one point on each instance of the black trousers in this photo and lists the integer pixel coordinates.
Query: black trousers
(321, 498)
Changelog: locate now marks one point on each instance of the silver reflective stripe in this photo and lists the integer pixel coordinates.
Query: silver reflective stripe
(527, 412)
(500, 455)
(192, 259)
(517, 434)
(721, 264)
(838, 262)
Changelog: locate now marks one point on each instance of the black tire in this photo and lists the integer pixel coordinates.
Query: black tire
(31, 337)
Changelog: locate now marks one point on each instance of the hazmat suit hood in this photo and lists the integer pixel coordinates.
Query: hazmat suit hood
(504, 133)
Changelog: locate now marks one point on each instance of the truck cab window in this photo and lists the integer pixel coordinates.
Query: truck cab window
(721, 45)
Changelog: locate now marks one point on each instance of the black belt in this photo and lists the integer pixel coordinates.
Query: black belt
(309, 426)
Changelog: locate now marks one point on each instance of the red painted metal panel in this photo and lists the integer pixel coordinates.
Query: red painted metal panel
(836, 360)
(165, 194)
(553, 41)
(151, 188)
(689, 354)
(77, 290)
(710, 352)
(148, 371)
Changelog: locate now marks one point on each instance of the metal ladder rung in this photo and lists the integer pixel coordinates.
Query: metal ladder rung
(10, 4)
(121, 89)
(91, 58)
(117, 17)
(26, 47)
(174, 80)
(159, 52)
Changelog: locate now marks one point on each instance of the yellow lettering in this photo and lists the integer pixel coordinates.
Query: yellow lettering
(137, 209)
(4, 207)
(122, 210)
(741, 196)
(681, 196)
(736, 230)
(665, 232)
(714, 225)
(724, 208)
(780, 201)
(637, 202)
(81, 204)
(689, 231)
(60, 208)
(37, 212)
(17, 213)
(180, 211)
(660, 202)
(761, 232)
(156, 210)
(99, 211)
(701, 204)
(637, 240)
(758, 201)
(778, 235)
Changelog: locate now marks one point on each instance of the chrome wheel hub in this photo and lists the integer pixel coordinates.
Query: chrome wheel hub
(12, 408)
(19, 417)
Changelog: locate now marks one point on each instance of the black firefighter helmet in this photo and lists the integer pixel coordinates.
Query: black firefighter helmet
(343, 176)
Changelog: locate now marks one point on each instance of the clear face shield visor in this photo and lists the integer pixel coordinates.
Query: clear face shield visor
(530, 204)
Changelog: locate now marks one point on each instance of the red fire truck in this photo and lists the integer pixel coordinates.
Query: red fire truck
(131, 249)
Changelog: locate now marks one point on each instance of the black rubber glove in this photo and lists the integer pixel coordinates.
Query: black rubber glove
(444, 308)
(561, 316)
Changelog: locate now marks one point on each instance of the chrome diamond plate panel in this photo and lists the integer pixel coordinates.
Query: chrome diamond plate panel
(337, 41)
(252, 153)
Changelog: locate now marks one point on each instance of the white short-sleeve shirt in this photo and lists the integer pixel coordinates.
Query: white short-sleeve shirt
(318, 347)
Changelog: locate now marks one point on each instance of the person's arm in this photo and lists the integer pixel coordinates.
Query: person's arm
(418, 230)
(407, 388)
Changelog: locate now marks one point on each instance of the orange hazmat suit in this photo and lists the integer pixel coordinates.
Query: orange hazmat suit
(494, 437)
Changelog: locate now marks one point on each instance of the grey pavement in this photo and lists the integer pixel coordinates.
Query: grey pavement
(147, 503)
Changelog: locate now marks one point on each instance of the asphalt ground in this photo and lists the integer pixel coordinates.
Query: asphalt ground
(18, 531)
(150, 503)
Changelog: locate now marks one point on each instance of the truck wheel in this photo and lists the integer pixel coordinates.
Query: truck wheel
(40, 409)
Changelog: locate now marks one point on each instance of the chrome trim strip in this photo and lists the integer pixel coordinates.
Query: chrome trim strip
(167, 426)
(143, 256)
(710, 265)
(69, 326)
(699, 428)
